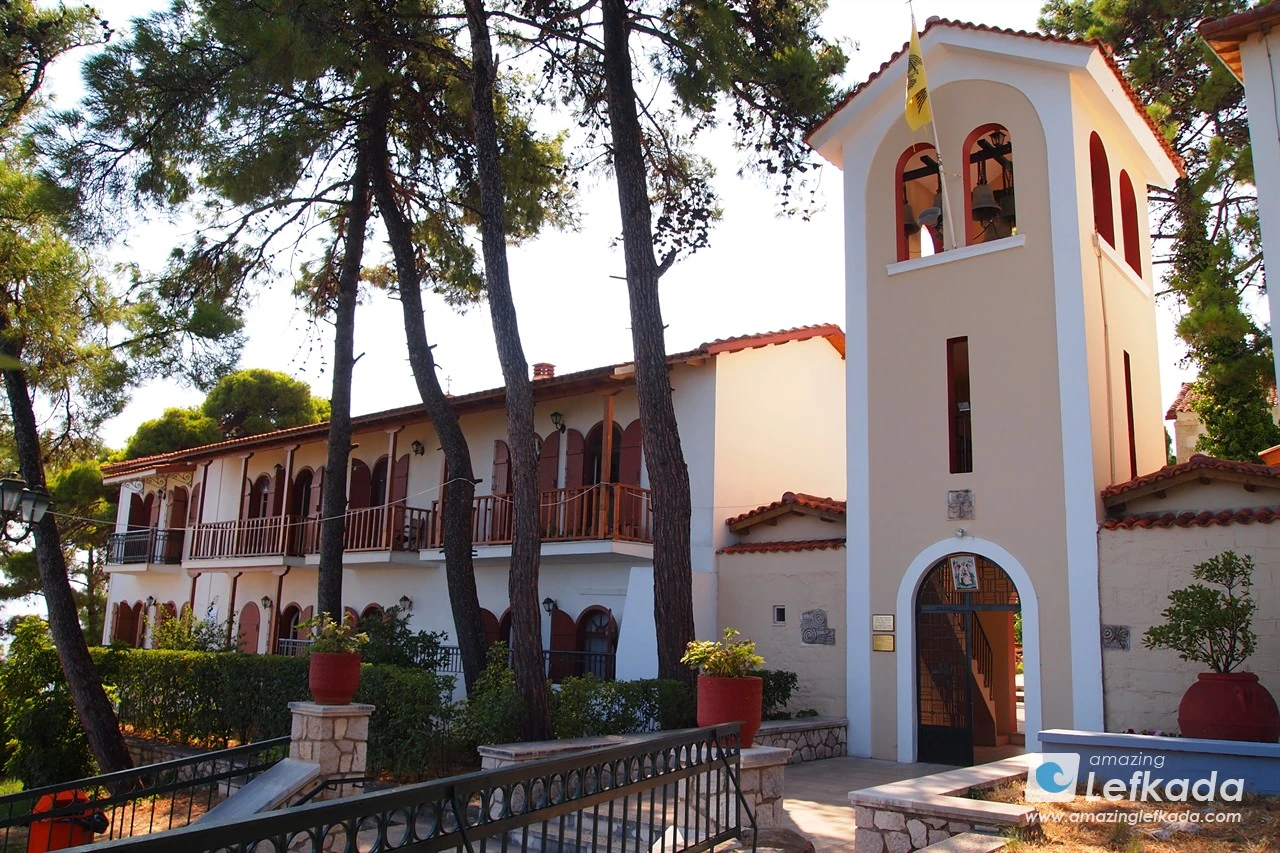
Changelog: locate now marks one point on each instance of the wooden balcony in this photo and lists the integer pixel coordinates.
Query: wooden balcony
(604, 511)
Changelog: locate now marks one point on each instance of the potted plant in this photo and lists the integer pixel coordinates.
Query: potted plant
(334, 656)
(728, 689)
(1213, 627)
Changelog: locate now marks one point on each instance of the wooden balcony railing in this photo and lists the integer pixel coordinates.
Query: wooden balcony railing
(603, 511)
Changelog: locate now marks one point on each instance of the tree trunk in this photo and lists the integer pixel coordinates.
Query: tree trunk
(334, 507)
(464, 600)
(668, 474)
(522, 579)
(96, 714)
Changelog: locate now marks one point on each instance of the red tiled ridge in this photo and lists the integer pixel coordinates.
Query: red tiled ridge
(1187, 397)
(543, 389)
(778, 547)
(798, 499)
(1264, 515)
(1134, 97)
(1199, 462)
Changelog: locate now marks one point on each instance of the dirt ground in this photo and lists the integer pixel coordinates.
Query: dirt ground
(1181, 829)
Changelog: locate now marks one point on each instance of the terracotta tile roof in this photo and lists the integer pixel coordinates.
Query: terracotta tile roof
(1198, 465)
(778, 547)
(1187, 396)
(1224, 35)
(789, 500)
(1263, 515)
(1134, 97)
(552, 387)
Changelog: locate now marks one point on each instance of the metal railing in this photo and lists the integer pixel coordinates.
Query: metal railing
(561, 664)
(292, 648)
(674, 793)
(145, 546)
(136, 802)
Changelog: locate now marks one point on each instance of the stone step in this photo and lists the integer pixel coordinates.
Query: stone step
(969, 842)
(1018, 738)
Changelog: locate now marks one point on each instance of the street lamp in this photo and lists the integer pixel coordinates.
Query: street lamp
(21, 505)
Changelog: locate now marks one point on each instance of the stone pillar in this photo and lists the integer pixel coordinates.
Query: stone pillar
(714, 808)
(335, 737)
(762, 781)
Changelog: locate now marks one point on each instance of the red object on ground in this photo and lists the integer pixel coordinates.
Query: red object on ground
(65, 830)
(333, 677)
(728, 700)
(1229, 706)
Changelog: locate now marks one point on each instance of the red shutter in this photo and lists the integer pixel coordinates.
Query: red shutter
(317, 494)
(153, 517)
(564, 638)
(275, 493)
(250, 623)
(549, 462)
(246, 499)
(193, 508)
(629, 457)
(360, 484)
(490, 623)
(400, 479)
(573, 463)
(501, 484)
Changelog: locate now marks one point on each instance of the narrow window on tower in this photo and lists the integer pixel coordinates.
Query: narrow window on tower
(959, 425)
(1128, 401)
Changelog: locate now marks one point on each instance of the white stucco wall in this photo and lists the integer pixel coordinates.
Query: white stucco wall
(1138, 568)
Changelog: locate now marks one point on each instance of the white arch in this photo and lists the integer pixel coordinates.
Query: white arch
(906, 619)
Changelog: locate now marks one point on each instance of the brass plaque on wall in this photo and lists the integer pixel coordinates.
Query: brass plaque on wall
(882, 622)
(882, 642)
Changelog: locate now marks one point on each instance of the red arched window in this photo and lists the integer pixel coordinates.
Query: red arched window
(989, 211)
(1100, 173)
(1129, 223)
(917, 189)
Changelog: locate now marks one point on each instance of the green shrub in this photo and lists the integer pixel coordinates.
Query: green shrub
(391, 641)
(491, 714)
(779, 684)
(45, 743)
(727, 658)
(186, 633)
(585, 706)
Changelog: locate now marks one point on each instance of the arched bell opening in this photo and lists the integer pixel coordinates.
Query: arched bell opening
(918, 202)
(991, 206)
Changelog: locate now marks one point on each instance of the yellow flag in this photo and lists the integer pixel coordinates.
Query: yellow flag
(918, 111)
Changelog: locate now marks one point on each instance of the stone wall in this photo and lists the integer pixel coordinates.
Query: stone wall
(809, 739)
(892, 831)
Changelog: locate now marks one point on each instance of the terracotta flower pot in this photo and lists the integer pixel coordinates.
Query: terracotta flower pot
(729, 700)
(1229, 706)
(333, 677)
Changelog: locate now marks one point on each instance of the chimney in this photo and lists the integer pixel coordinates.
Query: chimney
(543, 370)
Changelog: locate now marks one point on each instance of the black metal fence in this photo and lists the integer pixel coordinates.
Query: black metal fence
(145, 546)
(135, 802)
(672, 793)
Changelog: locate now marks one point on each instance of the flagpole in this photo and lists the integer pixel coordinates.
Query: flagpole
(948, 224)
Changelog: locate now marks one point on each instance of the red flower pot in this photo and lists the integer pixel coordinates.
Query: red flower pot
(730, 700)
(1229, 706)
(333, 677)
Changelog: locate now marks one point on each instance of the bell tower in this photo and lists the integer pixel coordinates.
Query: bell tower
(1002, 370)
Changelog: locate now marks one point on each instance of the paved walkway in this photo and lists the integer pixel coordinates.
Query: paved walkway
(817, 795)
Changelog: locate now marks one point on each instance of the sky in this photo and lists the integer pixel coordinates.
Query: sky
(760, 272)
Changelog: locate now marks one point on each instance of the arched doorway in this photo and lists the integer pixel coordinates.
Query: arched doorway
(598, 640)
(965, 659)
(491, 628)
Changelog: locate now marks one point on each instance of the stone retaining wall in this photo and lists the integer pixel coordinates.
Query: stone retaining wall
(809, 739)
(915, 813)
